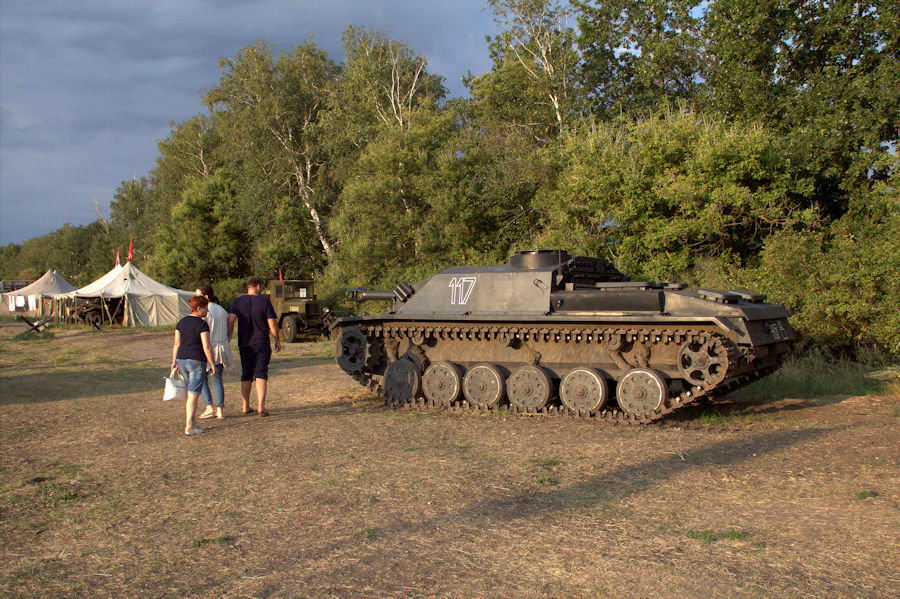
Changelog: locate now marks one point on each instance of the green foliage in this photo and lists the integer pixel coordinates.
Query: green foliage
(640, 53)
(79, 254)
(709, 536)
(661, 194)
(205, 240)
(776, 172)
(533, 84)
(842, 284)
(822, 73)
(816, 373)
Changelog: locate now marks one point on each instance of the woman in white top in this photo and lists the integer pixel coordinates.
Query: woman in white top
(217, 319)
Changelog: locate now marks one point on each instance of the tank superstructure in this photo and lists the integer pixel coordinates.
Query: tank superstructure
(553, 333)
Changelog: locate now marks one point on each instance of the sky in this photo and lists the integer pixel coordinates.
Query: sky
(88, 88)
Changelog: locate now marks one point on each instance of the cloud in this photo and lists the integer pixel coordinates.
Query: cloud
(87, 89)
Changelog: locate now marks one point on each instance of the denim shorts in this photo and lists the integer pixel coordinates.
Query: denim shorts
(255, 362)
(194, 372)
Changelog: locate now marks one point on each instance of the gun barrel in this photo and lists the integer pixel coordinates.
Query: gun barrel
(360, 294)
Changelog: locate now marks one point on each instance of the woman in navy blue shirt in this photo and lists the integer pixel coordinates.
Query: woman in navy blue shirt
(192, 356)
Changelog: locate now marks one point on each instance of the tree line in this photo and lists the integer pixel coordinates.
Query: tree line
(724, 143)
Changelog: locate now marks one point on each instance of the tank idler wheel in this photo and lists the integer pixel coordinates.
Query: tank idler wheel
(289, 329)
(351, 350)
(484, 386)
(641, 391)
(584, 390)
(529, 388)
(703, 364)
(402, 382)
(442, 383)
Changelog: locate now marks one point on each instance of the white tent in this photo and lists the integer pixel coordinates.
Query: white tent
(148, 303)
(51, 286)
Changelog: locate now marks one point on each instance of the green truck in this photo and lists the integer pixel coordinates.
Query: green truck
(297, 309)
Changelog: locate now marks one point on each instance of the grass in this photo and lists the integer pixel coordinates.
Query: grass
(708, 536)
(866, 495)
(323, 349)
(101, 494)
(31, 335)
(817, 375)
(369, 533)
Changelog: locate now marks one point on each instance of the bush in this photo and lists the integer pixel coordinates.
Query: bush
(841, 286)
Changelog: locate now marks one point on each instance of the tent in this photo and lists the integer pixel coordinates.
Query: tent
(147, 303)
(51, 287)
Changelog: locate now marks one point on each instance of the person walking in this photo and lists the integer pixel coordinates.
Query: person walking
(255, 318)
(213, 389)
(192, 356)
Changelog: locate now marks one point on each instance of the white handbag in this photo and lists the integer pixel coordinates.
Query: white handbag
(176, 387)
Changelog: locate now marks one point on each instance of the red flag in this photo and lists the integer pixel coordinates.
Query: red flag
(131, 249)
(117, 255)
(280, 278)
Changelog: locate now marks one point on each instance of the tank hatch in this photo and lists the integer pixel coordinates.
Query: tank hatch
(538, 259)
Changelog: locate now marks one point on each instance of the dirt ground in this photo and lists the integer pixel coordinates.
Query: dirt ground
(335, 495)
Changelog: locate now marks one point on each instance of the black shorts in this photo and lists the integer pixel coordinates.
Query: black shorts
(255, 362)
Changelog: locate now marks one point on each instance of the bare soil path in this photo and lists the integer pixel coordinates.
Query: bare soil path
(335, 495)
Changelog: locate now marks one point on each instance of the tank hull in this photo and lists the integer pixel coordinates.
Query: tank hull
(617, 351)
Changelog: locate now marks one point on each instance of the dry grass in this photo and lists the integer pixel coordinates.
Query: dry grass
(102, 495)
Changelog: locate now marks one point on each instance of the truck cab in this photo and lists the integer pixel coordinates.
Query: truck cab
(296, 308)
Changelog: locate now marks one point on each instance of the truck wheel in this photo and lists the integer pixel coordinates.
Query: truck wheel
(289, 329)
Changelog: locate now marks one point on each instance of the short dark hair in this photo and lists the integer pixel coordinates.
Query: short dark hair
(207, 290)
(254, 282)
(198, 301)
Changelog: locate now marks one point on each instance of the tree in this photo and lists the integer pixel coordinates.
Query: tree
(387, 128)
(824, 73)
(659, 196)
(533, 82)
(639, 54)
(383, 84)
(269, 109)
(205, 239)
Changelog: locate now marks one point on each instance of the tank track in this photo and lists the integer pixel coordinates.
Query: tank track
(417, 334)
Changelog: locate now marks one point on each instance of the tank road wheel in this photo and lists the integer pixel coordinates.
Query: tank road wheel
(641, 391)
(351, 350)
(484, 386)
(402, 382)
(703, 364)
(584, 390)
(529, 388)
(442, 383)
(289, 329)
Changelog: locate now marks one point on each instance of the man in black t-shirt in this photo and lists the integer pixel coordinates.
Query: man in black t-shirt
(256, 320)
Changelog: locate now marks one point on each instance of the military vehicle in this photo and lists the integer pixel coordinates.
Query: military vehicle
(551, 333)
(95, 311)
(296, 307)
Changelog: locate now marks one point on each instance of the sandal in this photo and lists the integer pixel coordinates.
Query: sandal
(248, 411)
(263, 413)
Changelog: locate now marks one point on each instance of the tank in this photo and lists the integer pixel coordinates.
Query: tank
(550, 333)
